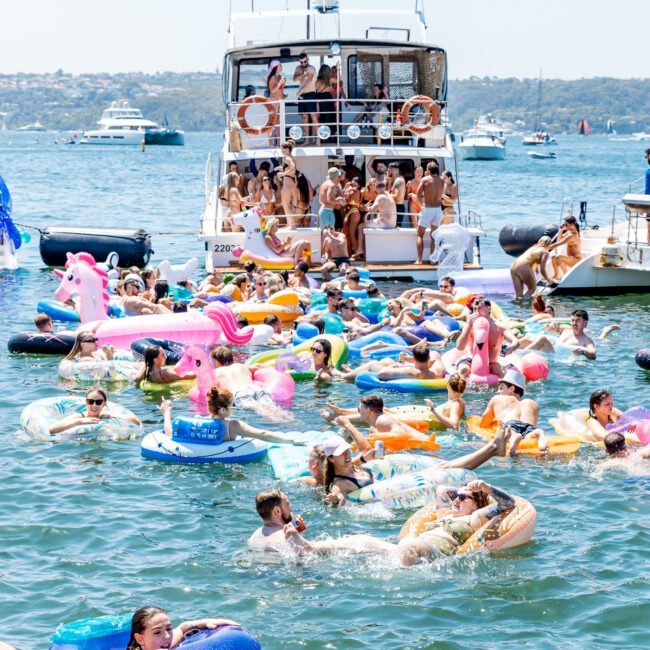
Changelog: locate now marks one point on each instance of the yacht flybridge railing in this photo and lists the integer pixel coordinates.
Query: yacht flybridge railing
(261, 123)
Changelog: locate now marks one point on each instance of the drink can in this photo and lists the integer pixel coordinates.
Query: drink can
(298, 523)
(379, 449)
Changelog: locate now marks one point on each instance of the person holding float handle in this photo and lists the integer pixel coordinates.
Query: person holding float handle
(95, 403)
(450, 413)
(153, 368)
(151, 629)
(220, 405)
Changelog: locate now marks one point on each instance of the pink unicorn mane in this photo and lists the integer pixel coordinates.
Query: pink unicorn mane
(225, 318)
(89, 261)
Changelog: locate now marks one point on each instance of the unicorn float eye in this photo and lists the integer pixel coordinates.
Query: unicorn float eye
(70, 277)
(197, 362)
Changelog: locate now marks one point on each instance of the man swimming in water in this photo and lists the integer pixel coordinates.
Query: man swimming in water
(517, 416)
(620, 455)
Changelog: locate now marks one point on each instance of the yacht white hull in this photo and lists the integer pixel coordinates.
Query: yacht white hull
(112, 137)
(478, 151)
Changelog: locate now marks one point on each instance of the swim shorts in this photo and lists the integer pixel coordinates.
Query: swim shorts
(517, 426)
(307, 103)
(251, 398)
(340, 260)
(326, 218)
(430, 217)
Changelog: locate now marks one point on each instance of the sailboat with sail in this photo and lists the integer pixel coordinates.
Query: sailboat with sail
(583, 126)
(539, 136)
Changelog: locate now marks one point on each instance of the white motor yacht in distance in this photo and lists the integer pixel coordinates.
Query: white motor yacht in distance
(122, 124)
(357, 130)
(477, 144)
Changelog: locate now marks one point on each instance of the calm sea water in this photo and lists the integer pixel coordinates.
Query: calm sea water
(92, 529)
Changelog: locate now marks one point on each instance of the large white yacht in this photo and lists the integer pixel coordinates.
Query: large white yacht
(386, 109)
(122, 124)
(485, 141)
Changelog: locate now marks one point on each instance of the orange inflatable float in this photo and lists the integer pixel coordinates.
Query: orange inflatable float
(508, 529)
(403, 441)
(283, 304)
(528, 446)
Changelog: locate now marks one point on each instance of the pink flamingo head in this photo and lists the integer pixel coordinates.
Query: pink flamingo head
(481, 331)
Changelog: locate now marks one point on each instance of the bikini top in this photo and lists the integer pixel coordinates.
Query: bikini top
(358, 482)
(457, 527)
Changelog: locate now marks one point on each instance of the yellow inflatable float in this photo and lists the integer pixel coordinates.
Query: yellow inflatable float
(284, 304)
(557, 444)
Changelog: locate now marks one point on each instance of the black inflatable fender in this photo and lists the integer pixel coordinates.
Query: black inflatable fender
(514, 239)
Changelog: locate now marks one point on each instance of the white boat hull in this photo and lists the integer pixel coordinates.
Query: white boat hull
(470, 151)
(112, 137)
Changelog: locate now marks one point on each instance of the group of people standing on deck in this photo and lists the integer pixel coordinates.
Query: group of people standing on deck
(396, 194)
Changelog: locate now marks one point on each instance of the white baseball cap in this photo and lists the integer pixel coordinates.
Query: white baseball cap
(335, 446)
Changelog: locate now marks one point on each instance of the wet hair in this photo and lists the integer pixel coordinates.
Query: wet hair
(160, 290)
(596, 398)
(433, 168)
(327, 347)
(150, 355)
(481, 499)
(82, 337)
(242, 321)
(97, 389)
(372, 290)
(448, 279)
(271, 320)
(449, 176)
(250, 266)
(303, 267)
(539, 304)
(550, 310)
(218, 399)
(572, 221)
(318, 454)
(222, 355)
(41, 319)
(614, 442)
(267, 500)
(581, 313)
(319, 324)
(421, 352)
(240, 279)
(457, 383)
(139, 623)
(178, 306)
(373, 402)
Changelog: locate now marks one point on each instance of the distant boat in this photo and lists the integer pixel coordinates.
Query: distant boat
(583, 127)
(36, 126)
(610, 127)
(538, 136)
(538, 155)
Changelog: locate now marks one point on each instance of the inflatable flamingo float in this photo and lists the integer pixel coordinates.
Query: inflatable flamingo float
(480, 373)
(255, 248)
(82, 276)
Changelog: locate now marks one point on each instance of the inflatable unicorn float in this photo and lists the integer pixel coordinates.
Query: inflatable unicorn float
(255, 248)
(85, 278)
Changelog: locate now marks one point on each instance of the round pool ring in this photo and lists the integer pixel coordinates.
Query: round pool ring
(37, 418)
(642, 358)
(371, 308)
(304, 332)
(58, 311)
(508, 529)
(120, 369)
(200, 440)
(412, 489)
(391, 338)
(173, 350)
(41, 343)
(99, 633)
(371, 381)
(291, 461)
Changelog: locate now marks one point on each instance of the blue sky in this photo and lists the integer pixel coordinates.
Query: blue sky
(568, 39)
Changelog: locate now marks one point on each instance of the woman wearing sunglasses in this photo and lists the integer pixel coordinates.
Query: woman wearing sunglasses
(85, 347)
(95, 412)
(321, 359)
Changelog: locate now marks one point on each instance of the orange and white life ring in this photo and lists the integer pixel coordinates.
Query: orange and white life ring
(432, 108)
(271, 118)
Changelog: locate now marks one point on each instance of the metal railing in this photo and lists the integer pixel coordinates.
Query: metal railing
(339, 122)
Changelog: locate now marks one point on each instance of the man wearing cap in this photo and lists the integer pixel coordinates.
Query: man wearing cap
(330, 198)
(514, 414)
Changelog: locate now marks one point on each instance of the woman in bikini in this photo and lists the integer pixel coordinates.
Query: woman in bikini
(601, 413)
(450, 413)
(305, 197)
(300, 249)
(236, 203)
(153, 369)
(342, 476)
(522, 270)
(412, 193)
(289, 190)
(275, 83)
(569, 237)
(449, 198)
(265, 197)
(352, 215)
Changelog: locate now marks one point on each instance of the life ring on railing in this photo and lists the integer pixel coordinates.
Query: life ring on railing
(432, 107)
(271, 118)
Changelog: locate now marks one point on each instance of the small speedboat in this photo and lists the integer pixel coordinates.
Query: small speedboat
(539, 155)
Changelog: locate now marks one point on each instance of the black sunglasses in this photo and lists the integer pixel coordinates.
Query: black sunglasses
(317, 350)
(461, 496)
(88, 341)
(96, 402)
